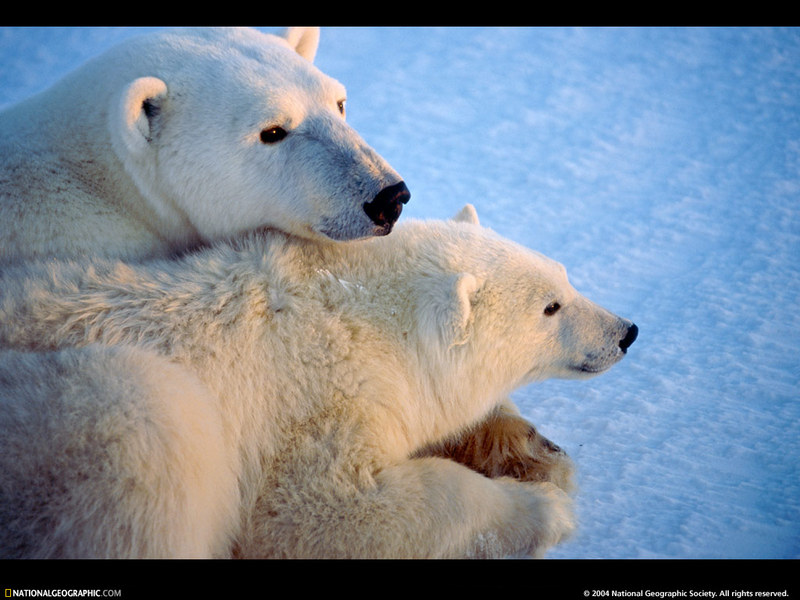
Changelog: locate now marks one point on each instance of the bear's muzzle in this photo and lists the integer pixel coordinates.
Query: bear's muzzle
(385, 208)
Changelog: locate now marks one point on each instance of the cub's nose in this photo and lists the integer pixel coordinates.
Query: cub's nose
(385, 208)
(629, 338)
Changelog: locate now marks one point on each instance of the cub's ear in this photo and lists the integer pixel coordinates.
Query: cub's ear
(468, 214)
(304, 40)
(446, 309)
(132, 119)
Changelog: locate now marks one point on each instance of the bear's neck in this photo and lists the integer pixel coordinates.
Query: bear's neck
(65, 129)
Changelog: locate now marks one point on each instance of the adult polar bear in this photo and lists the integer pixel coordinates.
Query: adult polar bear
(272, 398)
(187, 136)
(183, 137)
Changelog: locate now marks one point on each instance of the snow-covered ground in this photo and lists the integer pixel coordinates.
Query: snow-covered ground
(662, 167)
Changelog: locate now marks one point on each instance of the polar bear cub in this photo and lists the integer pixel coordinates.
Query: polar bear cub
(268, 398)
(183, 137)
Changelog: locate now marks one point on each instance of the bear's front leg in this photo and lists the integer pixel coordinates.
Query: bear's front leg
(419, 508)
(451, 511)
(506, 445)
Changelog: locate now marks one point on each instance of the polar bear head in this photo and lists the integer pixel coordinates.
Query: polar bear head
(499, 316)
(229, 130)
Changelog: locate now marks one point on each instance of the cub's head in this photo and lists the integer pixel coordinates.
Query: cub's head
(230, 130)
(505, 316)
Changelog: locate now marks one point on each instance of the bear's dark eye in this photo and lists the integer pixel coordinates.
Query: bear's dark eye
(273, 135)
(340, 104)
(551, 308)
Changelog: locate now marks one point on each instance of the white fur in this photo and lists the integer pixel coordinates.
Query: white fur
(154, 147)
(324, 367)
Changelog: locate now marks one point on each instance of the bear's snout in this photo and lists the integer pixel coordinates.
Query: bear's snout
(385, 208)
(629, 338)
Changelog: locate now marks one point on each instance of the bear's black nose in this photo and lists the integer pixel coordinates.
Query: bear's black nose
(385, 208)
(629, 338)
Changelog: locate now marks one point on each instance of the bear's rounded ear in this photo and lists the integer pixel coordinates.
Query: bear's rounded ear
(132, 118)
(468, 214)
(304, 40)
(447, 308)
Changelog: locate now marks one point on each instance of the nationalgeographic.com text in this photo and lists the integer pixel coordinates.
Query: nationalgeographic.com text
(27, 593)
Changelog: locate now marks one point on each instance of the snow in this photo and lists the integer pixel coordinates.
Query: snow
(662, 167)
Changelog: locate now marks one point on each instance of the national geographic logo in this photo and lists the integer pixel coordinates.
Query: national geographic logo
(62, 593)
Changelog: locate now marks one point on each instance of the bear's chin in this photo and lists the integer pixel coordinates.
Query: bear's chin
(586, 370)
(350, 236)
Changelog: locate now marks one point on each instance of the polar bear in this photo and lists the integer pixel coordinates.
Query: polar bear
(182, 137)
(274, 397)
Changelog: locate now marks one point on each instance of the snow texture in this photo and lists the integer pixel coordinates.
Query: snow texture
(662, 167)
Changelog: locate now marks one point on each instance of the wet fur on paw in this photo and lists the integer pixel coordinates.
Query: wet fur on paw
(506, 445)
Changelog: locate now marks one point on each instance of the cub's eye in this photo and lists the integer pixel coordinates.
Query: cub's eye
(552, 309)
(273, 135)
(340, 104)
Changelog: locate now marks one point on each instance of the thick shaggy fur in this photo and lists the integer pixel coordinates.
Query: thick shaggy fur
(273, 398)
(99, 445)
